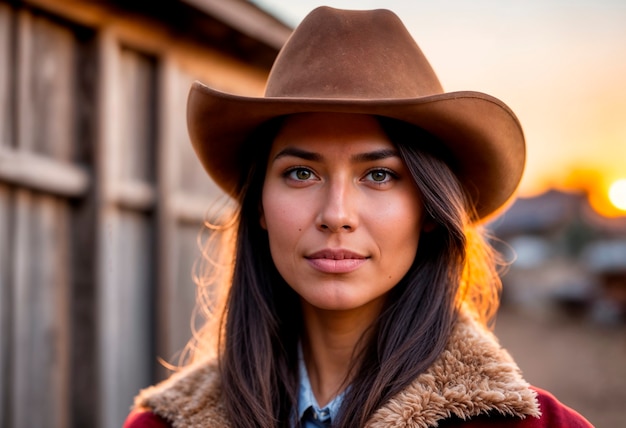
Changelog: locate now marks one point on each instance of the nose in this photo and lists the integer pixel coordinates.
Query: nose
(339, 208)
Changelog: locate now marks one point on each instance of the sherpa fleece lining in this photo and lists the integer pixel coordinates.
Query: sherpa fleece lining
(473, 376)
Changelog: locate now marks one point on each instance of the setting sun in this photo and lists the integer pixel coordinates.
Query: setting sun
(617, 194)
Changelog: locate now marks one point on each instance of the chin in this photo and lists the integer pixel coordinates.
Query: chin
(335, 300)
(340, 302)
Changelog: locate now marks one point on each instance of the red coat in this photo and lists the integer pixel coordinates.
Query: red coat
(553, 414)
(474, 383)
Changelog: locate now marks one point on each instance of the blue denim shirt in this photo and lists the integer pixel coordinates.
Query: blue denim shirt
(306, 399)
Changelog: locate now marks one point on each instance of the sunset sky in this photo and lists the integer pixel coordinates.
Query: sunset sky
(559, 64)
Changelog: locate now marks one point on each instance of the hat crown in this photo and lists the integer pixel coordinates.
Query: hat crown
(338, 54)
(363, 62)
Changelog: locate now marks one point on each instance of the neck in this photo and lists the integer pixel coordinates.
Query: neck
(330, 343)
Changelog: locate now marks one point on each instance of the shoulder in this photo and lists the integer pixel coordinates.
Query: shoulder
(140, 418)
(474, 383)
(553, 414)
(473, 376)
(192, 395)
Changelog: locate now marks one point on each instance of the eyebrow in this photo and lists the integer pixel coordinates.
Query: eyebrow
(375, 155)
(316, 157)
(298, 153)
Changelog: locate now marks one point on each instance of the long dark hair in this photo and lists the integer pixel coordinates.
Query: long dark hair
(261, 321)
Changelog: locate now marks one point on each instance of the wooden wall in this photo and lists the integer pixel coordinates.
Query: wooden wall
(101, 203)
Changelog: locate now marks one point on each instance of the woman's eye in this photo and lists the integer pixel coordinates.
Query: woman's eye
(379, 176)
(300, 174)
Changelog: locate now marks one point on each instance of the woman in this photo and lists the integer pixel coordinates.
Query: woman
(362, 287)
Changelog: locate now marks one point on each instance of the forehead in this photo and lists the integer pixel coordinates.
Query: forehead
(331, 131)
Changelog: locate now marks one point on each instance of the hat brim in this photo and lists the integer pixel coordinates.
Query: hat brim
(479, 131)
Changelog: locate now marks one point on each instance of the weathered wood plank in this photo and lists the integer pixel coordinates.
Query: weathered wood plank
(166, 169)
(246, 18)
(42, 173)
(24, 119)
(194, 208)
(126, 238)
(193, 178)
(190, 175)
(6, 305)
(40, 264)
(126, 318)
(182, 300)
(84, 392)
(134, 195)
(105, 162)
(6, 139)
(138, 139)
(41, 307)
(52, 81)
(184, 199)
(6, 74)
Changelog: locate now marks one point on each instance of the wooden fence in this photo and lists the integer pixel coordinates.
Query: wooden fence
(101, 203)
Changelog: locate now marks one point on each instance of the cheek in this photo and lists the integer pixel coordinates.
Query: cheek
(399, 226)
(283, 218)
(285, 225)
(278, 214)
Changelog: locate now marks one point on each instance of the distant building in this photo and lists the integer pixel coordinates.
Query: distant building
(563, 252)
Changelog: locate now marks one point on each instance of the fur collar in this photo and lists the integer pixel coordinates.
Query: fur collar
(473, 376)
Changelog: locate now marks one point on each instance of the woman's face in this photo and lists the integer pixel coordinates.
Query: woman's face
(341, 210)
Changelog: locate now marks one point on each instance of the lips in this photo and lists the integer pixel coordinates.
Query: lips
(336, 261)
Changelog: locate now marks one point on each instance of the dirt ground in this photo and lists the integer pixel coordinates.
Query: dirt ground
(582, 363)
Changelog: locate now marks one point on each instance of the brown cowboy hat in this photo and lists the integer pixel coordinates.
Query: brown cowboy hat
(364, 62)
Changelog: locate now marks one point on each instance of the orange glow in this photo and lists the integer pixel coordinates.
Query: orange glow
(609, 198)
(617, 194)
(606, 193)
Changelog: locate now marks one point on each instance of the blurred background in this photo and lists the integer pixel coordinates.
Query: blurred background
(102, 200)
